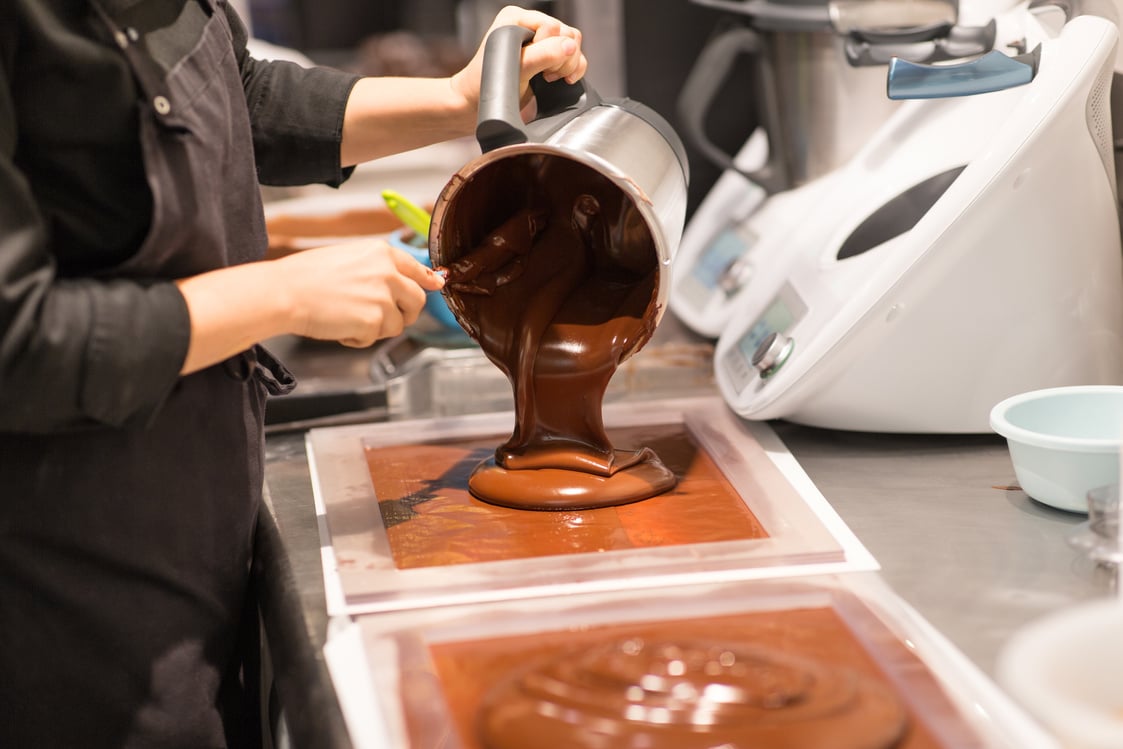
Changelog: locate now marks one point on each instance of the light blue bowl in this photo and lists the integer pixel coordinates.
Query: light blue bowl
(1063, 441)
(434, 301)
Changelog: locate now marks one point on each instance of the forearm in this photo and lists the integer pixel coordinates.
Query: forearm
(390, 115)
(354, 293)
(231, 309)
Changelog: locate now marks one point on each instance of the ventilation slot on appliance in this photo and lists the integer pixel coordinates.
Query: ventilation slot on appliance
(898, 215)
(1098, 113)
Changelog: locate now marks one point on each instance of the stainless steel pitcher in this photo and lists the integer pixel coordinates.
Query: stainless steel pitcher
(574, 130)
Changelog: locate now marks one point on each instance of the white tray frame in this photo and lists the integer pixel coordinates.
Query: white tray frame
(365, 654)
(806, 537)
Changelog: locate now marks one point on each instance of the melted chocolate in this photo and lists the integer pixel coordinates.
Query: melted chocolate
(812, 677)
(689, 695)
(553, 271)
(432, 520)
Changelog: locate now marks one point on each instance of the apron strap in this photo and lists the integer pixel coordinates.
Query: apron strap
(148, 74)
(270, 372)
(259, 364)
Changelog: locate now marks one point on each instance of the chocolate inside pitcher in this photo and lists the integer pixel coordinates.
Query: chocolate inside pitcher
(553, 270)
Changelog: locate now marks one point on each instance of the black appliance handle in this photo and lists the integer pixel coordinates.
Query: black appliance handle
(705, 79)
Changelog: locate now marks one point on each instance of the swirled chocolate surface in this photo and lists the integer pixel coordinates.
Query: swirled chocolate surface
(845, 641)
(689, 695)
(553, 271)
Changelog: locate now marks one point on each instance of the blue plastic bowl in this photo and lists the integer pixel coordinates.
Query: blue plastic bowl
(435, 303)
(1063, 441)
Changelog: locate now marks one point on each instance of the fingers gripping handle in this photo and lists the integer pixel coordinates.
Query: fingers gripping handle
(499, 122)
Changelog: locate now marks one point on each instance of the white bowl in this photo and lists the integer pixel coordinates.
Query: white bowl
(1067, 671)
(1063, 441)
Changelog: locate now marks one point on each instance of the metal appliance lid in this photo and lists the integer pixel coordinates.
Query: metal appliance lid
(906, 18)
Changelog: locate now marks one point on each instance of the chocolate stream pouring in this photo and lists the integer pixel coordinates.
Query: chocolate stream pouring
(558, 241)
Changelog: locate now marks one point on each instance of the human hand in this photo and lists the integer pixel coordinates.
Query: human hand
(554, 51)
(355, 293)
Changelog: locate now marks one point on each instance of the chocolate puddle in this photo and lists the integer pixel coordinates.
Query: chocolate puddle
(553, 271)
(791, 677)
(432, 520)
(681, 694)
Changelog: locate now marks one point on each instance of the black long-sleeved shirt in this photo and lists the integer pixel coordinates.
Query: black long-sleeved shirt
(78, 346)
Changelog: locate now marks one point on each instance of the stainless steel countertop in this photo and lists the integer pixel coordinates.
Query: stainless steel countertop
(977, 559)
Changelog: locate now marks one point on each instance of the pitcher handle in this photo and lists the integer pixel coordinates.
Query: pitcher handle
(499, 122)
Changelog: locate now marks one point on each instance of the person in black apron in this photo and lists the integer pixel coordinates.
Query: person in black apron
(132, 392)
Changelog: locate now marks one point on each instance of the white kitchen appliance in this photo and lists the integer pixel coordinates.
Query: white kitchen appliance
(817, 85)
(970, 249)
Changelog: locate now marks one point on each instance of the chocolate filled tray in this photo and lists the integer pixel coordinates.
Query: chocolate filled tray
(400, 529)
(834, 662)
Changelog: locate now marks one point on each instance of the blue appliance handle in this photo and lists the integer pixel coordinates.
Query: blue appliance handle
(993, 71)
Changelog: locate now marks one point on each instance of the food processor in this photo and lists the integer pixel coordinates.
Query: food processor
(968, 250)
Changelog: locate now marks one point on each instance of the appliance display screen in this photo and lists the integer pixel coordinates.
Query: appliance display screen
(780, 316)
(776, 319)
(722, 252)
(727, 249)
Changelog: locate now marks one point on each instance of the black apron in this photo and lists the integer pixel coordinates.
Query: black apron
(125, 553)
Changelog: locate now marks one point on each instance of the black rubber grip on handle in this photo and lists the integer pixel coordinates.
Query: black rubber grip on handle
(498, 122)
